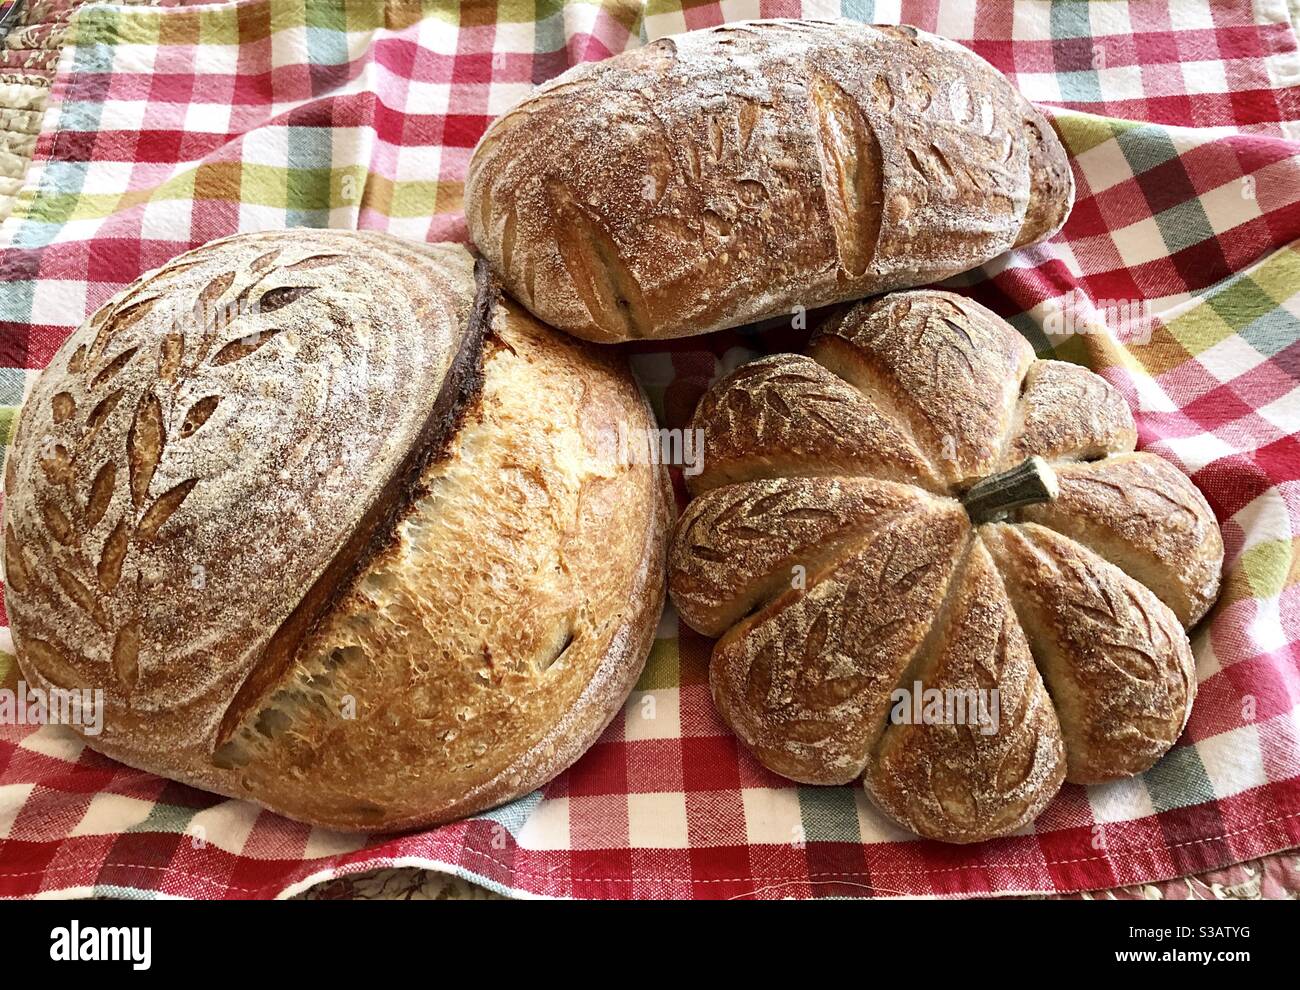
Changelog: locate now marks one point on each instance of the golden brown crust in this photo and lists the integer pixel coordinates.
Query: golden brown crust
(725, 175)
(962, 782)
(515, 610)
(805, 681)
(1115, 659)
(944, 365)
(1093, 674)
(1146, 517)
(478, 652)
(1051, 184)
(785, 414)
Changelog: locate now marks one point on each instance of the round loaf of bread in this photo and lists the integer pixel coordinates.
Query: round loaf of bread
(936, 563)
(336, 529)
(734, 173)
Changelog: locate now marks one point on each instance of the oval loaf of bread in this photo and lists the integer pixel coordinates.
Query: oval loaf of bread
(336, 529)
(922, 512)
(729, 174)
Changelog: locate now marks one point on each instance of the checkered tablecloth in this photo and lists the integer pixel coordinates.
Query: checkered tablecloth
(31, 36)
(1177, 277)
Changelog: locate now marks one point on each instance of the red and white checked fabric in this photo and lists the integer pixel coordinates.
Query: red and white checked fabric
(169, 128)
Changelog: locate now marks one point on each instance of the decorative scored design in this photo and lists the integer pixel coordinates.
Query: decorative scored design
(236, 398)
(147, 439)
(833, 584)
(752, 167)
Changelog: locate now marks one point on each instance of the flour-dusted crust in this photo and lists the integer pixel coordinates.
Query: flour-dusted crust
(788, 408)
(945, 366)
(214, 502)
(1144, 515)
(200, 450)
(951, 781)
(729, 174)
(1115, 659)
(833, 578)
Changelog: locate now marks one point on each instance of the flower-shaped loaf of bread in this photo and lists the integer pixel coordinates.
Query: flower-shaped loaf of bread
(922, 503)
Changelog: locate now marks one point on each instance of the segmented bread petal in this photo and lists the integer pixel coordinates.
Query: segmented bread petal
(1067, 412)
(1146, 517)
(992, 766)
(1115, 658)
(942, 364)
(805, 682)
(739, 546)
(786, 415)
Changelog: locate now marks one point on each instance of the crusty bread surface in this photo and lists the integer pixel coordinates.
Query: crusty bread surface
(728, 174)
(336, 529)
(836, 575)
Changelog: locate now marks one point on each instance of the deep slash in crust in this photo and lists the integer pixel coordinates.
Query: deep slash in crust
(460, 389)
